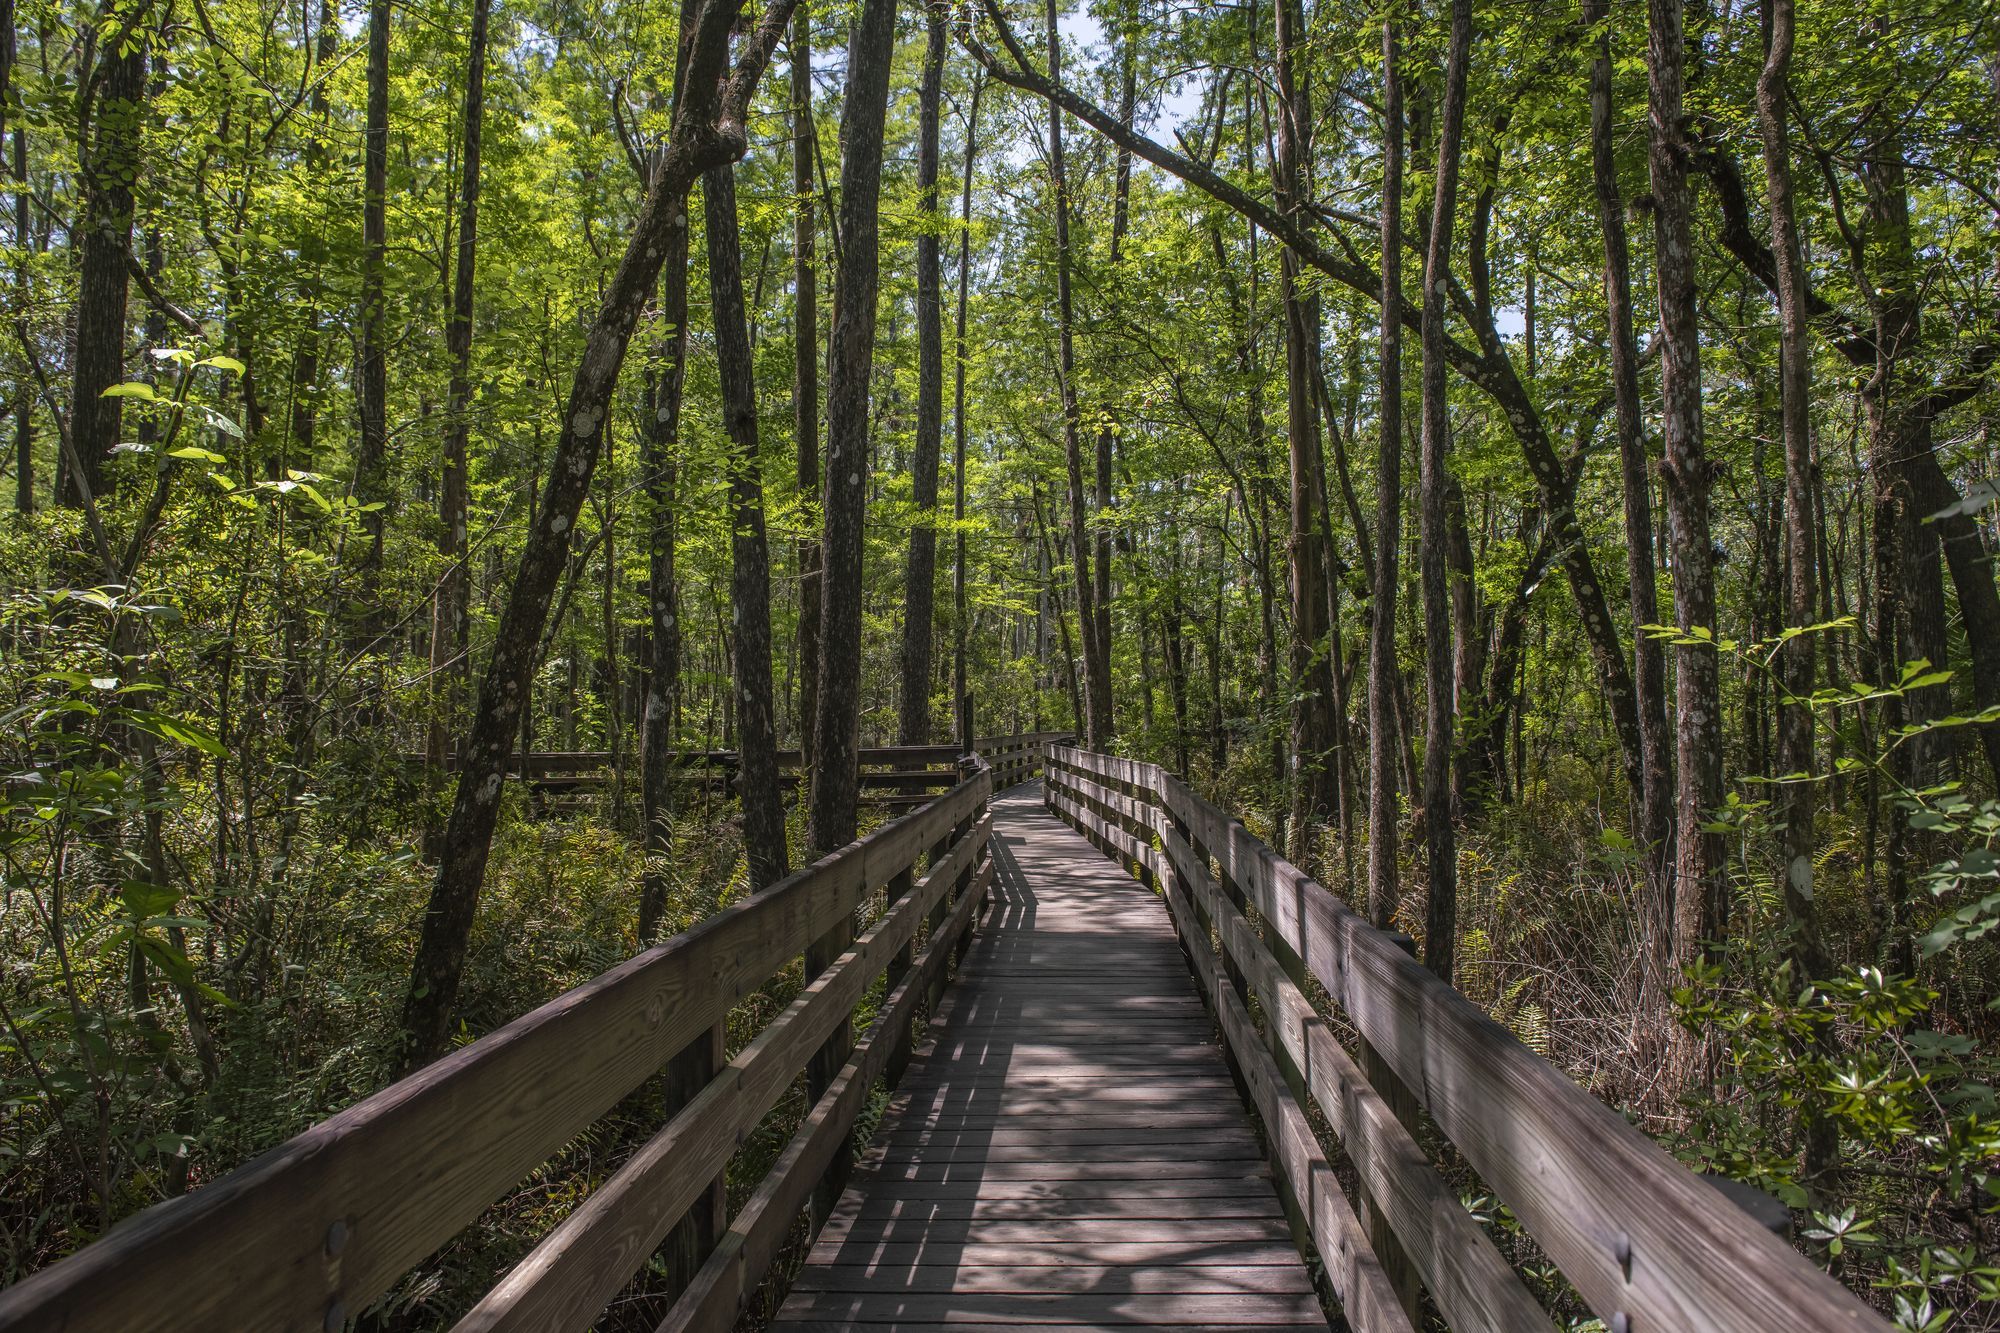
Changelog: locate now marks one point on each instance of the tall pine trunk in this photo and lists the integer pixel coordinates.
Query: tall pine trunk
(1313, 781)
(750, 582)
(1699, 891)
(805, 372)
(1653, 1018)
(450, 629)
(1098, 721)
(1384, 888)
(1440, 832)
(920, 571)
(115, 115)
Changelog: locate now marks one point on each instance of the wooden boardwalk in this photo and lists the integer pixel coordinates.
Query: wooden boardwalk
(1071, 1151)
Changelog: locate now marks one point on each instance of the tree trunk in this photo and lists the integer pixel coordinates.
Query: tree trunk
(1796, 663)
(1383, 887)
(705, 134)
(1654, 818)
(450, 628)
(960, 688)
(805, 375)
(750, 583)
(24, 420)
(1098, 722)
(104, 250)
(920, 573)
(371, 453)
(1313, 784)
(1440, 833)
(1699, 903)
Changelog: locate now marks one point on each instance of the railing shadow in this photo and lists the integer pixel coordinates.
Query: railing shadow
(1061, 1154)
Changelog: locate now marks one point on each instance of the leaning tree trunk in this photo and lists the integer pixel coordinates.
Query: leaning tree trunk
(708, 131)
(1383, 887)
(750, 583)
(1440, 833)
(920, 572)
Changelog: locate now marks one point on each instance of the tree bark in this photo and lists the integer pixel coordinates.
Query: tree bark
(450, 628)
(1098, 722)
(961, 697)
(708, 130)
(849, 367)
(1797, 661)
(371, 454)
(114, 118)
(1313, 780)
(24, 420)
(1653, 1019)
(750, 583)
(920, 571)
(805, 375)
(1699, 890)
(1384, 888)
(1434, 485)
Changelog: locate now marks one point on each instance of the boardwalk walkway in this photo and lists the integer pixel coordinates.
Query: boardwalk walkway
(1072, 1151)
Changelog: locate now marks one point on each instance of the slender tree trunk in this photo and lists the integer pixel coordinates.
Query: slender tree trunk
(920, 573)
(1653, 1019)
(1121, 195)
(302, 441)
(371, 454)
(116, 116)
(1313, 782)
(24, 420)
(1098, 721)
(708, 130)
(1383, 887)
(1440, 831)
(805, 374)
(850, 367)
(1796, 663)
(750, 584)
(1699, 892)
(450, 627)
(961, 697)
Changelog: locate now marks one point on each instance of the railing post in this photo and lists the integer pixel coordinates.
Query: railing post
(688, 1245)
(826, 1063)
(899, 884)
(1396, 1264)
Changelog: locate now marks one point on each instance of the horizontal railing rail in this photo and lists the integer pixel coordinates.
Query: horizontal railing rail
(1645, 1242)
(899, 770)
(308, 1235)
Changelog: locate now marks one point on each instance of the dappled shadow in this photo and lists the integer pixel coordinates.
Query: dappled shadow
(1071, 1150)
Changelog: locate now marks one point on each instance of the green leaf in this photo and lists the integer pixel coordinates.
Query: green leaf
(133, 390)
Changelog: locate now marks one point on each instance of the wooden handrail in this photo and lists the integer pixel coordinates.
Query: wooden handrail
(1645, 1242)
(306, 1236)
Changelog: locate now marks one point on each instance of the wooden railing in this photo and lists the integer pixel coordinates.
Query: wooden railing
(1646, 1243)
(894, 774)
(1015, 759)
(306, 1236)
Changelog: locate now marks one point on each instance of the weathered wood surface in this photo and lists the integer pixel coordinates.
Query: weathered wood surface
(1646, 1242)
(1070, 1150)
(304, 1237)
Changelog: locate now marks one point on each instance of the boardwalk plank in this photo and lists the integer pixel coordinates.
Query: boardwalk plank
(1071, 1151)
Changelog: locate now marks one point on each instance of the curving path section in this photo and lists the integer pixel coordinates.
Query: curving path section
(1071, 1151)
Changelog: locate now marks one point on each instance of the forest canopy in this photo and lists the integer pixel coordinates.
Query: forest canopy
(1535, 464)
